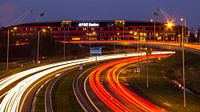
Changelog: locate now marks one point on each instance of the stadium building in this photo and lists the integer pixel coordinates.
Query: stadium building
(73, 31)
(96, 30)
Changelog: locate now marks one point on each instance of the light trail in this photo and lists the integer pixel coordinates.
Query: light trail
(103, 94)
(77, 92)
(12, 101)
(11, 79)
(48, 93)
(168, 43)
(95, 83)
(132, 101)
(35, 96)
(87, 94)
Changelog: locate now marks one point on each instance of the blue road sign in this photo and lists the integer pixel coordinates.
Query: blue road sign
(95, 51)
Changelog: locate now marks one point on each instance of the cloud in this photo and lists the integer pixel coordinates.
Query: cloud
(7, 12)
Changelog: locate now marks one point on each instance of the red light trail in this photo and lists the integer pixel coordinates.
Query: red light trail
(123, 99)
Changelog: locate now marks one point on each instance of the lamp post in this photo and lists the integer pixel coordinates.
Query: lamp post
(154, 28)
(169, 27)
(147, 55)
(118, 34)
(8, 48)
(131, 37)
(123, 23)
(183, 60)
(89, 38)
(64, 54)
(38, 44)
(38, 34)
(114, 44)
(136, 34)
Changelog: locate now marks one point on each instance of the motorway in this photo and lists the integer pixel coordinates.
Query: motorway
(81, 95)
(116, 96)
(12, 97)
(27, 82)
(48, 92)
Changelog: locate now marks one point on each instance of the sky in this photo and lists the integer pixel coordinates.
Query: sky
(139, 10)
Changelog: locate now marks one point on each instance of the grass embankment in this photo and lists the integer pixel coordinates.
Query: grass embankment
(161, 91)
(40, 101)
(173, 69)
(63, 97)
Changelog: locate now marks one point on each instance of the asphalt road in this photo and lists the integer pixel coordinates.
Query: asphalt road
(27, 99)
(79, 93)
(116, 96)
(20, 97)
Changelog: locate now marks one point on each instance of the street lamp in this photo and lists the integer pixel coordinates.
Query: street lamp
(169, 27)
(170, 24)
(38, 44)
(137, 35)
(183, 60)
(38, 34)
(131, 37)
(154, 28)
(64, 54)
(88, 37)
(116, 38)
(8, 46)
(147, 56)
(123, 23)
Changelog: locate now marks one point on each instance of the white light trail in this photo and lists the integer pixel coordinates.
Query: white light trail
(11, 101)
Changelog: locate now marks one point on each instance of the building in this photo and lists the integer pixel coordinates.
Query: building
(73, 31)
(95, 30)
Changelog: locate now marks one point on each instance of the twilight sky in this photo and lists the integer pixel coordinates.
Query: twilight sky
(99, 10)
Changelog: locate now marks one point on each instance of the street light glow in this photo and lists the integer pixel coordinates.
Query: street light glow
(182, 19)
(135, 33)
(170, 24)
(44, 30)
(15, 28)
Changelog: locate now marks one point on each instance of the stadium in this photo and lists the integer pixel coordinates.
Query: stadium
(23, 38)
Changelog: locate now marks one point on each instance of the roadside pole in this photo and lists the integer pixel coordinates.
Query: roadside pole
(64, 49)
(147, 68)
(8, 48)
(38, 47)
(95, 52)
(96, 60)
(148, 52)
(183, 60)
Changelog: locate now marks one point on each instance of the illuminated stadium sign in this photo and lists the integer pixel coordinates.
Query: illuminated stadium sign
(88, 24)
